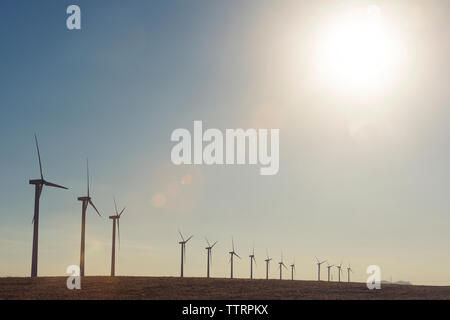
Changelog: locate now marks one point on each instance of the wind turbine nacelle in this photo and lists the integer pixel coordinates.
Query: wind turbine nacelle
(37, 181)
(113, 217)
(84, 198)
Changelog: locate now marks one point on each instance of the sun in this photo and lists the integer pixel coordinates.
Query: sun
(358, 50)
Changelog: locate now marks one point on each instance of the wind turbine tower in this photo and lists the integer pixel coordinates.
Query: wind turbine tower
(183, 252)
(252, 259)
(319, 263)
(339, 267)
(329, 266)
(232, 254)
(209, 256)
(292, 270)
(86, 201)
(349, 269)
(282, 265)
(116, 221)
(38, 186)
(267, 264)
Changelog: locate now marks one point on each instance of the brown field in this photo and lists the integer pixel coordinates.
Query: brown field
(206, 289)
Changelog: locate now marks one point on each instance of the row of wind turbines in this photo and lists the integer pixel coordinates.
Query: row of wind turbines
(233, 254)
(87, 201)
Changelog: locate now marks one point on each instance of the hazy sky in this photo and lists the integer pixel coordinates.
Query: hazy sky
(363, 177)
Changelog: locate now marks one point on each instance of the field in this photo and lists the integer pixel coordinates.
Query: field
(206, 289)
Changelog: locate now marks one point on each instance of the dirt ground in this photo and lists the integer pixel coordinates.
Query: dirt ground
(169, 288)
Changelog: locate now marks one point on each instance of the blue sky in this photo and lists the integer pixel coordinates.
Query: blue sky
(363, 173)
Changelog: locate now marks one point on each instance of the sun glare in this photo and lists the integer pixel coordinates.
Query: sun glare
(358, 51)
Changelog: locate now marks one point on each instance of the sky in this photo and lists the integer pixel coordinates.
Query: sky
(364, 130)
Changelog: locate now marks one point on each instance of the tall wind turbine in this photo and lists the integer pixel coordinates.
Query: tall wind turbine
(339, 271)
(252, 259)
(232, 253)
(267, 264)
(39, 185)
(329, 266)
(209, 255)
(183, 252)
(292, 270)
(116, 220)
(318, 267)
(86, 201)
(282, 265)
(349, 269)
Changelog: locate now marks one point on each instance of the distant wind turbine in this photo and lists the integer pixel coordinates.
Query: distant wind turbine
(329, 266)
(183, 251)
(318, 267)
(349, 269)
(282, 265)
(339, 267)
(39, 185)
(209, 256)
(267, 264)
(116, 221)
(252, 259)
(292, 270)
(86, 201)
(232, 253)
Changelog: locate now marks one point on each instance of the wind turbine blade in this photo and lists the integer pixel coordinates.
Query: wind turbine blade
(317, 260)
(122, 211)
(236, 255)
(188, 239)
(49, 184)
(182, 238)
(254, 260)
(93, 206)
(87, 170)
(39, 156)
(267, 253)
(232, 244)
(184, 249)
(214, 244)
(207, 242)
(115, 205)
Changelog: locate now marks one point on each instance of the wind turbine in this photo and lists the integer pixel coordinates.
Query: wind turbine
(339, 271)
(114, 219)
(252, 259)
(183, 251)
(329, 266)
(318, 266)
(39, 185)
(86, 201)
(281, 263)
(209, 255)
(232, 253)
(292, 270)
(349, 269)
(267, 264)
